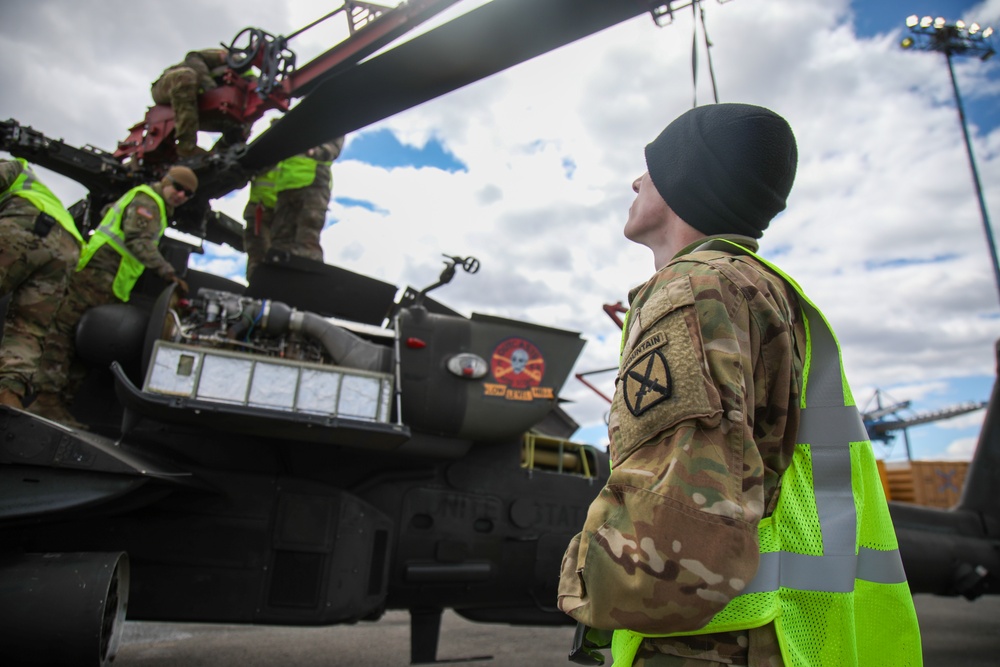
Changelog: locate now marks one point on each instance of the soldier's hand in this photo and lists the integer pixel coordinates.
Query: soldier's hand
(183, 286)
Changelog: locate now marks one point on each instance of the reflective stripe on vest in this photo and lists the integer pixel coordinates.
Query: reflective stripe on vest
(27, 186)
(110, 232)
(263, 189)
(829, 424)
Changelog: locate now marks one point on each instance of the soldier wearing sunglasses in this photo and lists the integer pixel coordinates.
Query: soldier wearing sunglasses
(122, 248)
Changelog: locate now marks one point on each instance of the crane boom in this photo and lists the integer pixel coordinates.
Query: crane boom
(887, 425)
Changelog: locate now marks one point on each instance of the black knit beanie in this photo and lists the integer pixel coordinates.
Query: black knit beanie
(725, 168)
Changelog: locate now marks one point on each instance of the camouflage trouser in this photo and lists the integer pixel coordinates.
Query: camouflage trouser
(60, 372)
(299, 217)
(35, 270)
(179, 88)
(257, 235)
(758, 648)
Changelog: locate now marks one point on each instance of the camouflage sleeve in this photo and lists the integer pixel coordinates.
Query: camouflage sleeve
(329, 151)
(673, 535)
(9, 171)
(214, 57)
(141, 227)
(203, 62)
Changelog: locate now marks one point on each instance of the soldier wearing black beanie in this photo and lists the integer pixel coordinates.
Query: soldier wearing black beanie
(671, 564)
(725, 168)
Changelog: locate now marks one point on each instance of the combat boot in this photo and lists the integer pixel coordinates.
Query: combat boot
(8, 397)
(50, 406)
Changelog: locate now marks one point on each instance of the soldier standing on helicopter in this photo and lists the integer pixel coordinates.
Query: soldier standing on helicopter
(179, 86)
(39, 248)
(287, 206)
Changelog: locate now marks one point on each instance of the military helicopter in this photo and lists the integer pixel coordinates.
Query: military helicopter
(957, 551)
(309, 450)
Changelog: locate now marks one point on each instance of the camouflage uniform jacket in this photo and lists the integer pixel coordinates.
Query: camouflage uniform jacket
(141, 228)
(208, 64)
(13, 207)
(702, 426)
(327, 151)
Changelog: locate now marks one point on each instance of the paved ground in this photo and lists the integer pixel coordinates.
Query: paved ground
(955, 633)
(382, 644)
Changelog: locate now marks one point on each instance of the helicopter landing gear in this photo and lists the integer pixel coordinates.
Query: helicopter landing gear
(425, 629)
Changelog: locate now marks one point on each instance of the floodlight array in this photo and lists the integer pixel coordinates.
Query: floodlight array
(936, 34)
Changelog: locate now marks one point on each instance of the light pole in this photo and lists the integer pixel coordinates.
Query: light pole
(934, 34)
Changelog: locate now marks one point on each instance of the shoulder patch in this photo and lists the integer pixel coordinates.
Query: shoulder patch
(647, 382)
(663, 382)
(144, 212)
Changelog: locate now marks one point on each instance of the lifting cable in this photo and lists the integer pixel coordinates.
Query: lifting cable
(695, 7)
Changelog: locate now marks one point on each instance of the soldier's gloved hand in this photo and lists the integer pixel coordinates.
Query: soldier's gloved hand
(177, 280)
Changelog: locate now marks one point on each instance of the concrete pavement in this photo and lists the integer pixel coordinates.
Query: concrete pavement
(954, 630)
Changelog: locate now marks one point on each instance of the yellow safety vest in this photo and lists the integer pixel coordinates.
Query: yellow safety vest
(830, 574)
(297, 172)
(263, 189)
(29, 187)
(110, 232)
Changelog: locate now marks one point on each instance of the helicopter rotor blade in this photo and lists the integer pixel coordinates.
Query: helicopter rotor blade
(471, 47)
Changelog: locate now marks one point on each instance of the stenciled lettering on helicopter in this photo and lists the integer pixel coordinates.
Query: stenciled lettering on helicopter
(517, 367)
(556, 515)
(452, 506)
(465, 507)
(533, 513)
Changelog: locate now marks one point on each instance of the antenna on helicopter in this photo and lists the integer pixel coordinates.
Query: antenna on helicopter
(469, 264)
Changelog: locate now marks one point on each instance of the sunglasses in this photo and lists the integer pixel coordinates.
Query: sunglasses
(180, 188)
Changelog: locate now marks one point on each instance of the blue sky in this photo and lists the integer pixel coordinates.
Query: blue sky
(871, 19)
(381, 148)
(929, 440)
(883, 16)
(529, 171)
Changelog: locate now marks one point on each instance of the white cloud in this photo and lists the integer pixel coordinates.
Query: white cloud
(960, 450)
(882, 228)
